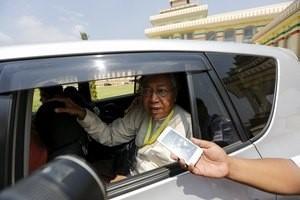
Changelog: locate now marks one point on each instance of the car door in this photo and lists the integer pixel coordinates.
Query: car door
(209, 101)
(21, 78)
(169, 182)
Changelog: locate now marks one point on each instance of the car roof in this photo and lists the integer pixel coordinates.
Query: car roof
(112, 46)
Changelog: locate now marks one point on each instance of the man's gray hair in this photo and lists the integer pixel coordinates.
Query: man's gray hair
(143, 80)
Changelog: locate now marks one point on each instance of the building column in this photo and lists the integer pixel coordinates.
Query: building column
(177, 36)
(239, 35)
(220, 36)
(293, 43)
(200, 37)
(281, 42)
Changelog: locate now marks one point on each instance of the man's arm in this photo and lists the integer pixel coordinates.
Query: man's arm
(120, 131)
(272, 174)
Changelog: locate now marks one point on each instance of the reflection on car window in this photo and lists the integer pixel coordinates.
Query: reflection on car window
(215, 123)
(250, 81)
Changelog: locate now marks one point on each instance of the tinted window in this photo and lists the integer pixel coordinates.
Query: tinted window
(211, 36)
(229, 35)
(250, 81)
(215, 123)
(248, 34)
(21, 75)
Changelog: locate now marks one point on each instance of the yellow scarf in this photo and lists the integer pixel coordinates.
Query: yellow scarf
(150, 138)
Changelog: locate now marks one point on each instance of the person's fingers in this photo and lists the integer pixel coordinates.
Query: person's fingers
(186, 166)
(174, 157)
(65, 110)
(193, 170)
(202, 143)
(67, 101)
(61, 99)
(182, 164)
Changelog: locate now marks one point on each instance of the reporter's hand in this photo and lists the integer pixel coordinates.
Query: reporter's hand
(70, 108)
(214, 161)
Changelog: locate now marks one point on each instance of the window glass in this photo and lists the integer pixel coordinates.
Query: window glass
(36, 102)
(215, 123)
(250, 82)
(107, 88)
(56, 134)
(248, 34)
(189, 36)
(229, 35)
(211, 36)
(21, 75)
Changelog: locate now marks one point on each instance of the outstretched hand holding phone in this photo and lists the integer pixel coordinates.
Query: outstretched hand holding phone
(180, 146)
(213, 162)
(270, 174)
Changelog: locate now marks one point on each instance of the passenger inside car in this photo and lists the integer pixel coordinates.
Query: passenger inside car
(143, 123)
(38, 151)
(60, 133)
(51, 92)
(38, 154)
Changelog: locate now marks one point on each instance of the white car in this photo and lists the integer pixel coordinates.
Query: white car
(244, 97)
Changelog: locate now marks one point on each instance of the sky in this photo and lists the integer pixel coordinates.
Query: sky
(40, 21)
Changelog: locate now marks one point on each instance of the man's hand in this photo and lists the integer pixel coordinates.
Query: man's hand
(70, 108)
(214, 161)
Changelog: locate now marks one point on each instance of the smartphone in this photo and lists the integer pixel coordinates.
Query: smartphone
(182, 147)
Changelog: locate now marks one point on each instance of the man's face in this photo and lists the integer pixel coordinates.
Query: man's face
(158, 96)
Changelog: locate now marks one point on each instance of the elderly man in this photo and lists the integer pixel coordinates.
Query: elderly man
(144, 123)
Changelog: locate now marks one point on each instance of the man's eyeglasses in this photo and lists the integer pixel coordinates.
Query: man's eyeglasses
(147, 92)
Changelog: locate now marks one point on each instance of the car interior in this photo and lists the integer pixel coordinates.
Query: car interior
(61, 134)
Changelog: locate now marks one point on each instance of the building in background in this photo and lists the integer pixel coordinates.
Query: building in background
(187, 20)
(283, 30)
(273, 25)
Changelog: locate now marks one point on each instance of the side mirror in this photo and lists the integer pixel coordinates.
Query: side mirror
(66, 177)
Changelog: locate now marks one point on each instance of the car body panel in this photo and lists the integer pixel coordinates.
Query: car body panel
(115, 46)
(284, 125)
(189, 186)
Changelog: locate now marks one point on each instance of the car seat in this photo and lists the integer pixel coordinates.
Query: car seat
(60, 132)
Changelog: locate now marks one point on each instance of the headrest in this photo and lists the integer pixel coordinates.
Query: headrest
(57, 129)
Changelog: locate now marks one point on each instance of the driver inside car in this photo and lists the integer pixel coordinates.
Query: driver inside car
(143, 122)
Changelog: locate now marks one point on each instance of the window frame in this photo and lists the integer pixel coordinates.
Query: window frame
(15, 135)
(20, 128)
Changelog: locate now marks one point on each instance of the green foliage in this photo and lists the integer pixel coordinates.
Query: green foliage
(111, 91)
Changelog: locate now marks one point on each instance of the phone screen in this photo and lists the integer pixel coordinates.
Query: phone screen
(179, 145)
